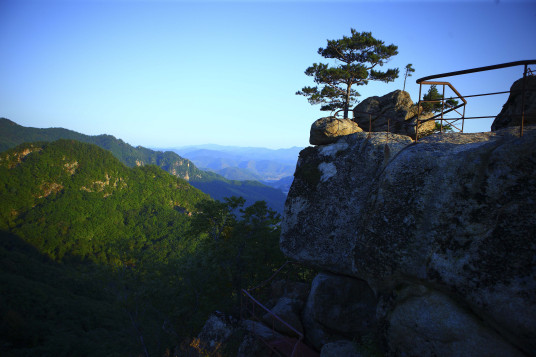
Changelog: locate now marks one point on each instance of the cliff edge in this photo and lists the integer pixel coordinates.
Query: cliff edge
(443, 231)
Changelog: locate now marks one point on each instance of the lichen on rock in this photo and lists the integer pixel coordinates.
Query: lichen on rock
(454, 213)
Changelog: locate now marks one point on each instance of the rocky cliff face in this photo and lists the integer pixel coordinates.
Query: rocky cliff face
(443, 231)
(510, 114)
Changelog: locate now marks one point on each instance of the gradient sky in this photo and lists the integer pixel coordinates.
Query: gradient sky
(171, 73)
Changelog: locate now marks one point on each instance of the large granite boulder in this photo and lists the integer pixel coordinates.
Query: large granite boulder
(429, 323)
(261, 330)
(510, 114)
(285, 316)
(338, 307)
(453, 212)
(290, 289)
(393, 112)
(327, 130)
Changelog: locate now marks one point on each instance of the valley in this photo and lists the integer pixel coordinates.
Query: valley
(92, 251)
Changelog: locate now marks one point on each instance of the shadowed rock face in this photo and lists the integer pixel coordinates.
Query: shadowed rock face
(455, 213)
(338, 307)
(510, 114)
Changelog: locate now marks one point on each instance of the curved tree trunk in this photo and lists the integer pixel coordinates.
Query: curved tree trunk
(347, 100)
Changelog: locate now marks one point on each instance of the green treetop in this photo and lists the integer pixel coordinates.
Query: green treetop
(437, 105)
(358, 56)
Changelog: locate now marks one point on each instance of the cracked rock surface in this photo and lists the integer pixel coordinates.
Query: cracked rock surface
(454, 213)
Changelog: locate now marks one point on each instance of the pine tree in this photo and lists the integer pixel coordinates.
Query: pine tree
(437, 106)
(359, 55)
(409, 70)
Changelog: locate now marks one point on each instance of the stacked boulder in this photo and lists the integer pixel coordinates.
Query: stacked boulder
(327, 130)
(394, 113)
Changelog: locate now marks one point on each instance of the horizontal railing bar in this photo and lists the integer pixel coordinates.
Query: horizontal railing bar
(484, 117)
(445, 112)
(480, 95)
(475, 70)
(484, 94)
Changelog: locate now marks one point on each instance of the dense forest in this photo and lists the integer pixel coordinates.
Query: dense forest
(218, 187)
(97, 258)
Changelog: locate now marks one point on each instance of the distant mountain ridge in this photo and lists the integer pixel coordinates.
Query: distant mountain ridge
(273, 167)
(217, 186)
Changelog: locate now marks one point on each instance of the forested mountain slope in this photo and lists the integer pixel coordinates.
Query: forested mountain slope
(97, 258)
(72, 198)
(52, 309)
(12, 134)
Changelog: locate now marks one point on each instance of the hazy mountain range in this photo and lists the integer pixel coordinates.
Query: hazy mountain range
(216, 185)
(271, 167)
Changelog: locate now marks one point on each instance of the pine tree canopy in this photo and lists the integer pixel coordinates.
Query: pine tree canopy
(359, 56)
(436, 106)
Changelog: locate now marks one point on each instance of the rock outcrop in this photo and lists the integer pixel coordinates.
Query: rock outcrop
(443, 231)
(427, 323)
(393, 112)
(327, 130)
(338, 308)
(510, 114)
(217, 329)
(288, 310)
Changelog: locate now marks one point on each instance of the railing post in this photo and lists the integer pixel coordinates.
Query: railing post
(527, 71)
(463, 116)
(442, 109)
(418, 114)
(523, 101)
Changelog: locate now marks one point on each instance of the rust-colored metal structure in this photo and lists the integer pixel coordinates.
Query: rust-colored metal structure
(453, 122)
(428, 81)
(288, 345)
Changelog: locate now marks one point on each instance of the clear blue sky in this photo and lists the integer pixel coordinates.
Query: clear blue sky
(172, 73)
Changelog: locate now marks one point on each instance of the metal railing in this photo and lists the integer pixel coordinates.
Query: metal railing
(446, 108)
(426, 80)
(370, 114)
(444, 102)
(290, 345)
(278, 345)
(370, 121)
